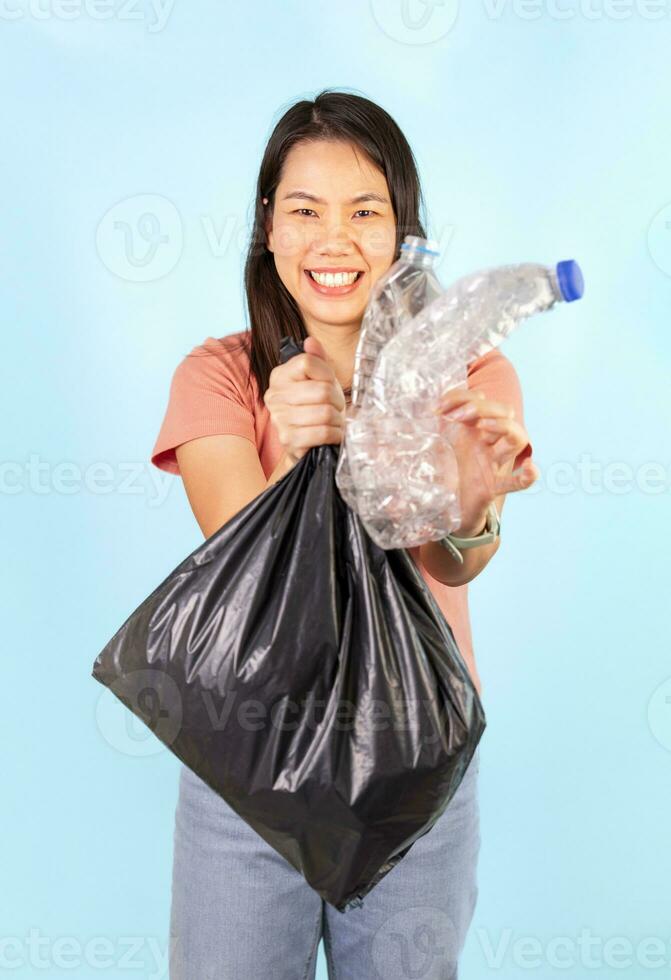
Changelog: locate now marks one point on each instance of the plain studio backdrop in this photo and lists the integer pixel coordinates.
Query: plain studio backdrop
(132, 135)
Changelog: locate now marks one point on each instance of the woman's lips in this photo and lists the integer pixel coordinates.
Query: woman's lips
(333, 290)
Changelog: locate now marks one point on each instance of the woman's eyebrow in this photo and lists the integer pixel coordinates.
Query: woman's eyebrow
(366, 196)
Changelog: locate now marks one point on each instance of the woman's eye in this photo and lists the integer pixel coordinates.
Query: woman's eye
(360, 211)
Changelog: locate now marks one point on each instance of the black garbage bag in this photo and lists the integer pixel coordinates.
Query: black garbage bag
(309, 678)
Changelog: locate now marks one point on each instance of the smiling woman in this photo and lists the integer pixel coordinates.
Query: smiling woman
(328, 255)
(337, 193)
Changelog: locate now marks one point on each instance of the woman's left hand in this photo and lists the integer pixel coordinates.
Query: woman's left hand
(486, 440)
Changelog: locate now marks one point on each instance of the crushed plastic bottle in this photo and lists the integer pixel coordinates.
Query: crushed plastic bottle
(402, 467)
(407, 287)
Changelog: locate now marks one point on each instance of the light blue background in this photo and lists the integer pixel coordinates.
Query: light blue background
(538, 138)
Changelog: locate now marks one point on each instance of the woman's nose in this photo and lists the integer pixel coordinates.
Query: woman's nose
(333, 236)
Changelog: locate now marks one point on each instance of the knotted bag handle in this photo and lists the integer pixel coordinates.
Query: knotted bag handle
(289, 348)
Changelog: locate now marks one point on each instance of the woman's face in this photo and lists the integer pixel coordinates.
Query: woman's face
(332, 216)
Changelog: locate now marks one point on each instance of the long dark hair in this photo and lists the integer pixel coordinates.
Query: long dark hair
(333, 115)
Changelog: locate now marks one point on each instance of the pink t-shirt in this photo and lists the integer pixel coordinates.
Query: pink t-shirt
(209, 395)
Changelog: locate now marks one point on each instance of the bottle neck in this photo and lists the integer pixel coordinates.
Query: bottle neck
(414, 256)
(554, 284)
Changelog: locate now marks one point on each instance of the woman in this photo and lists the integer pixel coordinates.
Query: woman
(337, 193)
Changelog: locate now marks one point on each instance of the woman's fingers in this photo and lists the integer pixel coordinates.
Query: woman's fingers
(493, 429)
(318, 383)
(316, 414)
(306, 401)
(468, 406)
(455, 398)
(317, 435)
(525, 475)
(505, 438)
(313, 393)
(518, 479)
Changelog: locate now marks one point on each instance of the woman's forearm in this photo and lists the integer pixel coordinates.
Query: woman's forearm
(284, 465)
(443, 566)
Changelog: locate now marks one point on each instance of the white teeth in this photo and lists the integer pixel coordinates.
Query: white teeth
(334, 278)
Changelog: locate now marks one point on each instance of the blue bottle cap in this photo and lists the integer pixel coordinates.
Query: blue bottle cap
(571, 282)
(417, 244)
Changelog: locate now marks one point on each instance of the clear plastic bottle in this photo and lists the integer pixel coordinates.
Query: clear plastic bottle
(402, 467)
(407, 287)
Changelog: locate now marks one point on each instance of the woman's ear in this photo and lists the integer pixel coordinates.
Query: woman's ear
(268, 224)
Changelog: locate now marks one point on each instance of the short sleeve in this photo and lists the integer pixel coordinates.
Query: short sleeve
(495, 375)
(207, 397)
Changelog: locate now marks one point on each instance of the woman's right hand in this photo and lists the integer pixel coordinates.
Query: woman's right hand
(306, 401)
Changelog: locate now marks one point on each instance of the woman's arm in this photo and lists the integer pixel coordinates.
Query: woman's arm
(486, 438)
(443, 566)
(223, 473)
(206, 465)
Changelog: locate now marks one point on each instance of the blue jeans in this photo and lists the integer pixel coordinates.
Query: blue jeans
(240, 911)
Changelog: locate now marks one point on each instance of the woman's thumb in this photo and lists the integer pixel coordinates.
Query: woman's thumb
(313, 346)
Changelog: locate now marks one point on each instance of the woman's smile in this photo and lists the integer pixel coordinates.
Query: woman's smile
(334, 282)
